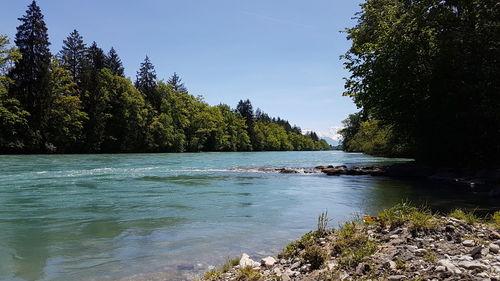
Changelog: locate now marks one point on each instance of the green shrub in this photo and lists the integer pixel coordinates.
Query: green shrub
(468, 217)
(314, 255)
(248, 274)
(212, 275)
(352, 245)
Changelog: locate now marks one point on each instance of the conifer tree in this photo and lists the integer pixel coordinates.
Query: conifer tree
(96, 59)
(31, 72)
(176, 82)
(73, 55)
(114, 63)
(146, 83)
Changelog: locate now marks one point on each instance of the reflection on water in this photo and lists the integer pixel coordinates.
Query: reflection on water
(170, 216)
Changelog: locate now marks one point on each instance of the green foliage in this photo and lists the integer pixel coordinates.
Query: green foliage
(425, 69)
(352, 245)
(496, 219)
(371, 137)
(13, 118)
(248, 274)
(420, 219)
(468, 217)
(81, 103)
(30, 74)
(323, 223)
(212, 275)
(63, 121)
(314, 255)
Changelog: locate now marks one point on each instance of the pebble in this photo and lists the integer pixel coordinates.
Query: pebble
(471, 265)
(468, 243)
(396, 277)
(494, 248)
(449, 266)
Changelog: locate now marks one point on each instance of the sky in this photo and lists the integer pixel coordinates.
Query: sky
(283, 55)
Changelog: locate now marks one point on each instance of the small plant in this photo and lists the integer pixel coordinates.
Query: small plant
(496, 219)
(468, 217)
(400, 264)
(422, 221)
(314, 255)
(300, 244)
(397, 215)
(352, 245)
(323, 223)
(430, 256)
(212, 275)
(248, 274)
(229, 264)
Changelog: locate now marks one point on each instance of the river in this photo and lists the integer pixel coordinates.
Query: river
(172, 216)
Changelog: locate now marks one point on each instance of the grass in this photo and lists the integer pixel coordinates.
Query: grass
(421, 218)
(430, 256)
(212, 275)
(468, 217)
(248, 274)
(323, 223)
(496, 220)
(400, 264)
(308, 238)
(352, 245)
(314, 255)
(230, 264)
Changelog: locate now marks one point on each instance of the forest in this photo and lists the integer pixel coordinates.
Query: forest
(425, 76)
(79, 101)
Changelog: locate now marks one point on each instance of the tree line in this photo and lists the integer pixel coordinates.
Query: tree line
(79, 101)
(425, 75)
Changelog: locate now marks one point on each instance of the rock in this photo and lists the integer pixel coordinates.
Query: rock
(468, 243)
(396, 277)
(449, 266)
(295, 265)
(440, 268)
(471, 265)
(277, 272)
(494, 235)
(394, 236)
(247, 261)
(420, 252)
(285, 277)
(494, 248)
(362, 268)
(287, 171)
(479, 252)
(268, 262)
(391, 265)
(331, 266)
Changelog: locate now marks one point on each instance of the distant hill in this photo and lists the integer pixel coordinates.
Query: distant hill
(331, 141)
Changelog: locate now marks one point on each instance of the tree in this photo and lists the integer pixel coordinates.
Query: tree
(63, 123)
(146, 82)
(31, 72)
(73, 55)
(176, 82)
(125, 129)
(428, 70)
(13, 119)
(114, 63)
(245, 109)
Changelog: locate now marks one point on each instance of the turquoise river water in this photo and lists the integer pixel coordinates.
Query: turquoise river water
(172, 216)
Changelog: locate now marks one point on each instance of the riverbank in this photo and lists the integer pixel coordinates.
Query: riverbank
(401, 243)
(484, 180)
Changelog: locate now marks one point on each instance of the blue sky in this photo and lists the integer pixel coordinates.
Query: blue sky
(281, 54)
